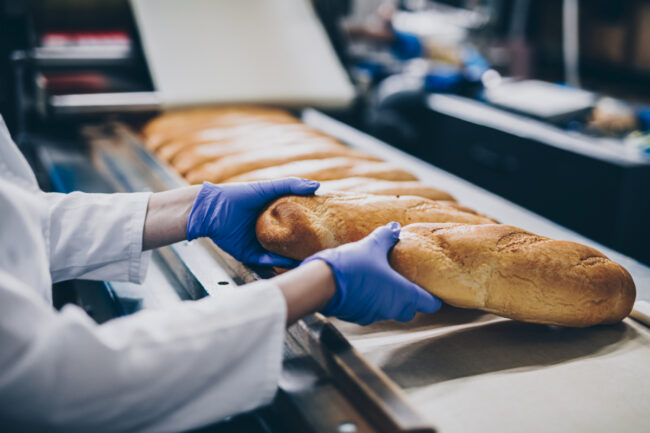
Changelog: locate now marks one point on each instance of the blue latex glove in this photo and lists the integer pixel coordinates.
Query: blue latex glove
(227, 214)
(368, 289)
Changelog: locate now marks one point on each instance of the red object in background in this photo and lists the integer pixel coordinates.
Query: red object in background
(78, 48)
(88, 38)
(77, 82)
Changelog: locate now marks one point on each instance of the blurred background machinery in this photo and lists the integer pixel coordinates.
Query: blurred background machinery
(546, 103)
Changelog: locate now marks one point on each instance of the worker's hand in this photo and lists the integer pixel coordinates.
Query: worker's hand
(368, 289)
(227, 214)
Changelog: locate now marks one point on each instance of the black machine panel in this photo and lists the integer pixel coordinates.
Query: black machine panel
(607, 201)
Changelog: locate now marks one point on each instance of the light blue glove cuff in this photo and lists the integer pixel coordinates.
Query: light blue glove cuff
(204, 206)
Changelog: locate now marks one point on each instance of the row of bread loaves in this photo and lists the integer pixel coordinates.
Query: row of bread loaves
(457, 254)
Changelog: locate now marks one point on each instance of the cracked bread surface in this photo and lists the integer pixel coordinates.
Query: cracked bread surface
(298, 226)
(513, 273)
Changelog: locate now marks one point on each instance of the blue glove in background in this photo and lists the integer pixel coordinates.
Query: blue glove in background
(227, 214)
(368, 289)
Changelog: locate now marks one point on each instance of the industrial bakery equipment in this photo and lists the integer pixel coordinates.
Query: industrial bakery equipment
(397, 377)
(455, 371)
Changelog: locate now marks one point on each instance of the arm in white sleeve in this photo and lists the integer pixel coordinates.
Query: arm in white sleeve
(96, 236)
(164, 370)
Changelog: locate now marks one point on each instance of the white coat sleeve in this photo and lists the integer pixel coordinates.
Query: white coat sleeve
(154, 371)
(96, 236)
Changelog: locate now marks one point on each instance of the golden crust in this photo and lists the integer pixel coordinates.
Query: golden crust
(297, 227)
(176, 123)
(327, 169)
(193, 157)
(255, 135)
(368, 185)
(511, 272)
(229, 166)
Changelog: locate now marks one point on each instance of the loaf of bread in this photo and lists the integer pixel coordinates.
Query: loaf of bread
(176, 123)
(297, 227)
(159, 140)
(368, 185)
(195, 157)
(513, 273)
(327, 169)
(233, 165)
(259, 130)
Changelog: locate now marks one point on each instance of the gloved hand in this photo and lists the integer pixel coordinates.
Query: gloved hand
(368, 289)
(227, 214)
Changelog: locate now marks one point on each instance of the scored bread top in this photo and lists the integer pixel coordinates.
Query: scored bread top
(298, 226)
(514, 273)
(255, 132)
(176, 123)
(195, 156)
(368, 185)
(235, 164)
(327, 169)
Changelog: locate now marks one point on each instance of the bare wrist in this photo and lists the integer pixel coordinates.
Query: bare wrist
(306, 289)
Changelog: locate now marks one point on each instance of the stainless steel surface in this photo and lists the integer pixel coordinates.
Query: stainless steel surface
(106, 103)
(641, 312)
(87, 56)
(381, 400)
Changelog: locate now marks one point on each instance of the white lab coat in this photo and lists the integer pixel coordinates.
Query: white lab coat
(163, 370)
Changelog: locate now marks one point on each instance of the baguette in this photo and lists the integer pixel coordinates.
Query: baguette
(297, 226)
(177, 123)
(159, 140)
(327, 169)
(168, 150)
(194, 157)
(367, 185)
(233, 165)
(513, 273)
